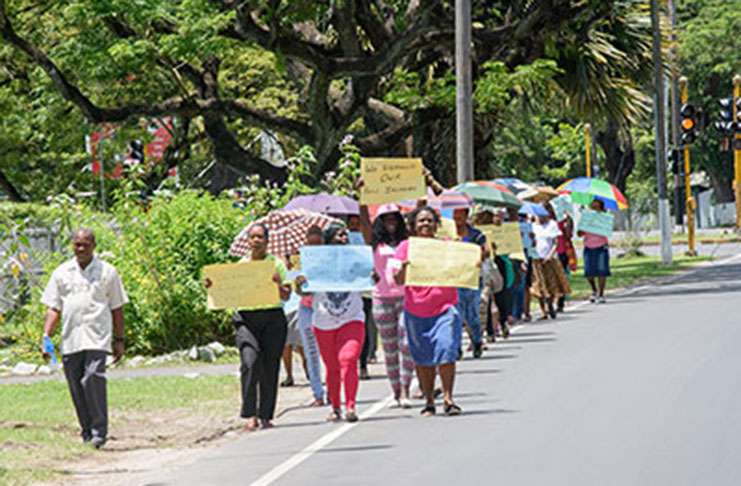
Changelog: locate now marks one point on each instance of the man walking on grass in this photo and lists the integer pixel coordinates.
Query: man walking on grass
(89, 295)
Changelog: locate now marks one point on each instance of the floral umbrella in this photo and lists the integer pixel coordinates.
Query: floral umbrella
(286, 231)
(324, 203)
(584, 190)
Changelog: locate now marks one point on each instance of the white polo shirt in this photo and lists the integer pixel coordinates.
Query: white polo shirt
(86, 299)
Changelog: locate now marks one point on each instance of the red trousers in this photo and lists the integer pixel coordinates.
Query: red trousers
(340, 349)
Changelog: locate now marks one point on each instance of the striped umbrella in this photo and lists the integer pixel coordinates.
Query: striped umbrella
(584, 190)
(489, 193)
(450, 199)
(515, 185)
(286, 231)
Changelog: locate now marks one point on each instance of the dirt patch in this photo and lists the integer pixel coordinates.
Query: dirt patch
(144, 445)
(9, 446)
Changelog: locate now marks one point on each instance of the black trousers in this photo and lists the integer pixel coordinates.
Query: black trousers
(261, 336)
(503, 301)
(85, 373)
(371, 334)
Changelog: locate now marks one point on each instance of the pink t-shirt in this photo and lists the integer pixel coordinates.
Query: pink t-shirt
(425, 301)
(594, 241)
(386, 286)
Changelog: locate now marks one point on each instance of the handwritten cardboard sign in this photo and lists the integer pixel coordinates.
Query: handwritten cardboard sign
(596, 222)
(391, 180)
(337, 268)
(244, 284)
(506, 236)
(562, 206)
(437, 263)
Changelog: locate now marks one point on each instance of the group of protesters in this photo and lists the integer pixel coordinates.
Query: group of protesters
(420, 328)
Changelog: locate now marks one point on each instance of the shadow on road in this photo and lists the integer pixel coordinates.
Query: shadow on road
(363, 448)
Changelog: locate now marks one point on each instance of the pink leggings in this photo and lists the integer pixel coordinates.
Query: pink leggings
(340, 349)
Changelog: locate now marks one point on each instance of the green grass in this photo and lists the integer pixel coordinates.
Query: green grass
(39, 433)
(630, 270)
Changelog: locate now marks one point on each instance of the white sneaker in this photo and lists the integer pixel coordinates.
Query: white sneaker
(602, 300)
(405, 403)
(593, 298)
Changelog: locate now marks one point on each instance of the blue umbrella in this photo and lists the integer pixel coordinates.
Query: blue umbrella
(532, 209)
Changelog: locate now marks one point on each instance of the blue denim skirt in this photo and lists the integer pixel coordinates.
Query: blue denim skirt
(434, 340)
(597, 262)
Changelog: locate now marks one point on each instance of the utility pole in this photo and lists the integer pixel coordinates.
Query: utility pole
(587, 135)
(463, 88)
(737, 147)
(102, 174)
(660, 137)
(679, 220)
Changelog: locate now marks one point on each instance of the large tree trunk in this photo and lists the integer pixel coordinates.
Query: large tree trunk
(619, 154)
(722, 186)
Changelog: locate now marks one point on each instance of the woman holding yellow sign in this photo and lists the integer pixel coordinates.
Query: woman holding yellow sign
(433, 324)
(261, 335)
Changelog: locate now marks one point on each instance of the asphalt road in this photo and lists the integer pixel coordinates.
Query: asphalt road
(644, 390)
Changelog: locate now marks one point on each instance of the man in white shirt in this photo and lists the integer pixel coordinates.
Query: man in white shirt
(89, 295)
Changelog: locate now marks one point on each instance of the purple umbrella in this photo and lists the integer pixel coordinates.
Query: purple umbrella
(325, 204)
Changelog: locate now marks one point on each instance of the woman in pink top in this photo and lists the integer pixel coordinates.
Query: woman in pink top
(596, 258)
(433, 324)
(384, 235)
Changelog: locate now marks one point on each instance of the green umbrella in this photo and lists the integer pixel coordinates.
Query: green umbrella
(489, 194)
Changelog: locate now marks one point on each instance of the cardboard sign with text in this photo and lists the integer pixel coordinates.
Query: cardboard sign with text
(507, 237)
(391, 180)
(244, 284)
(595, 222)
(437, 263)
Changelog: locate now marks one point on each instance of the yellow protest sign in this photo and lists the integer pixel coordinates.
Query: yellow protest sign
(447, 229)
(244, 284)
(506, 236)
(391, 180)
(437, 263)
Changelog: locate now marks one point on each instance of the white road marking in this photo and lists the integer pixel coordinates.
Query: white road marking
(277, 472)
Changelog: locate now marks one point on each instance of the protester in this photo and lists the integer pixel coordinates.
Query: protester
(305, 322)
(293, 341)
(563, 247)
(521, 298)
(596, 258)
(261, 336)
(433, 324)
(468, 299)
(491, 281)
(549, 278)
(89, 295)
(385, 234)
(339, 329)
(368, 354)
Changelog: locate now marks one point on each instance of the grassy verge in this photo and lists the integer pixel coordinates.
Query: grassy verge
(39, 431)
(630, 270)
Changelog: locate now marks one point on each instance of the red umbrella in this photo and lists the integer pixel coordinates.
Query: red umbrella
(286, 231)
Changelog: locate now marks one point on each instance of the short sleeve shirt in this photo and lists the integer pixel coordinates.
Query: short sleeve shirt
(332, 310)
(281, 269)
(425, 301)
(85, 298)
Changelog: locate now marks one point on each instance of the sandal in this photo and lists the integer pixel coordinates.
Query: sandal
(287, 382)
(428, 411)
(334, 416)
(451, 409)
(351, 416)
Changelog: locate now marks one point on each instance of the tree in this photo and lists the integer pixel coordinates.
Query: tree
(122, 60)
(709, 56)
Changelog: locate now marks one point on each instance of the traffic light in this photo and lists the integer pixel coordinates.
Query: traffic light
(726, 124)
(688, 123)
(674, 160)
